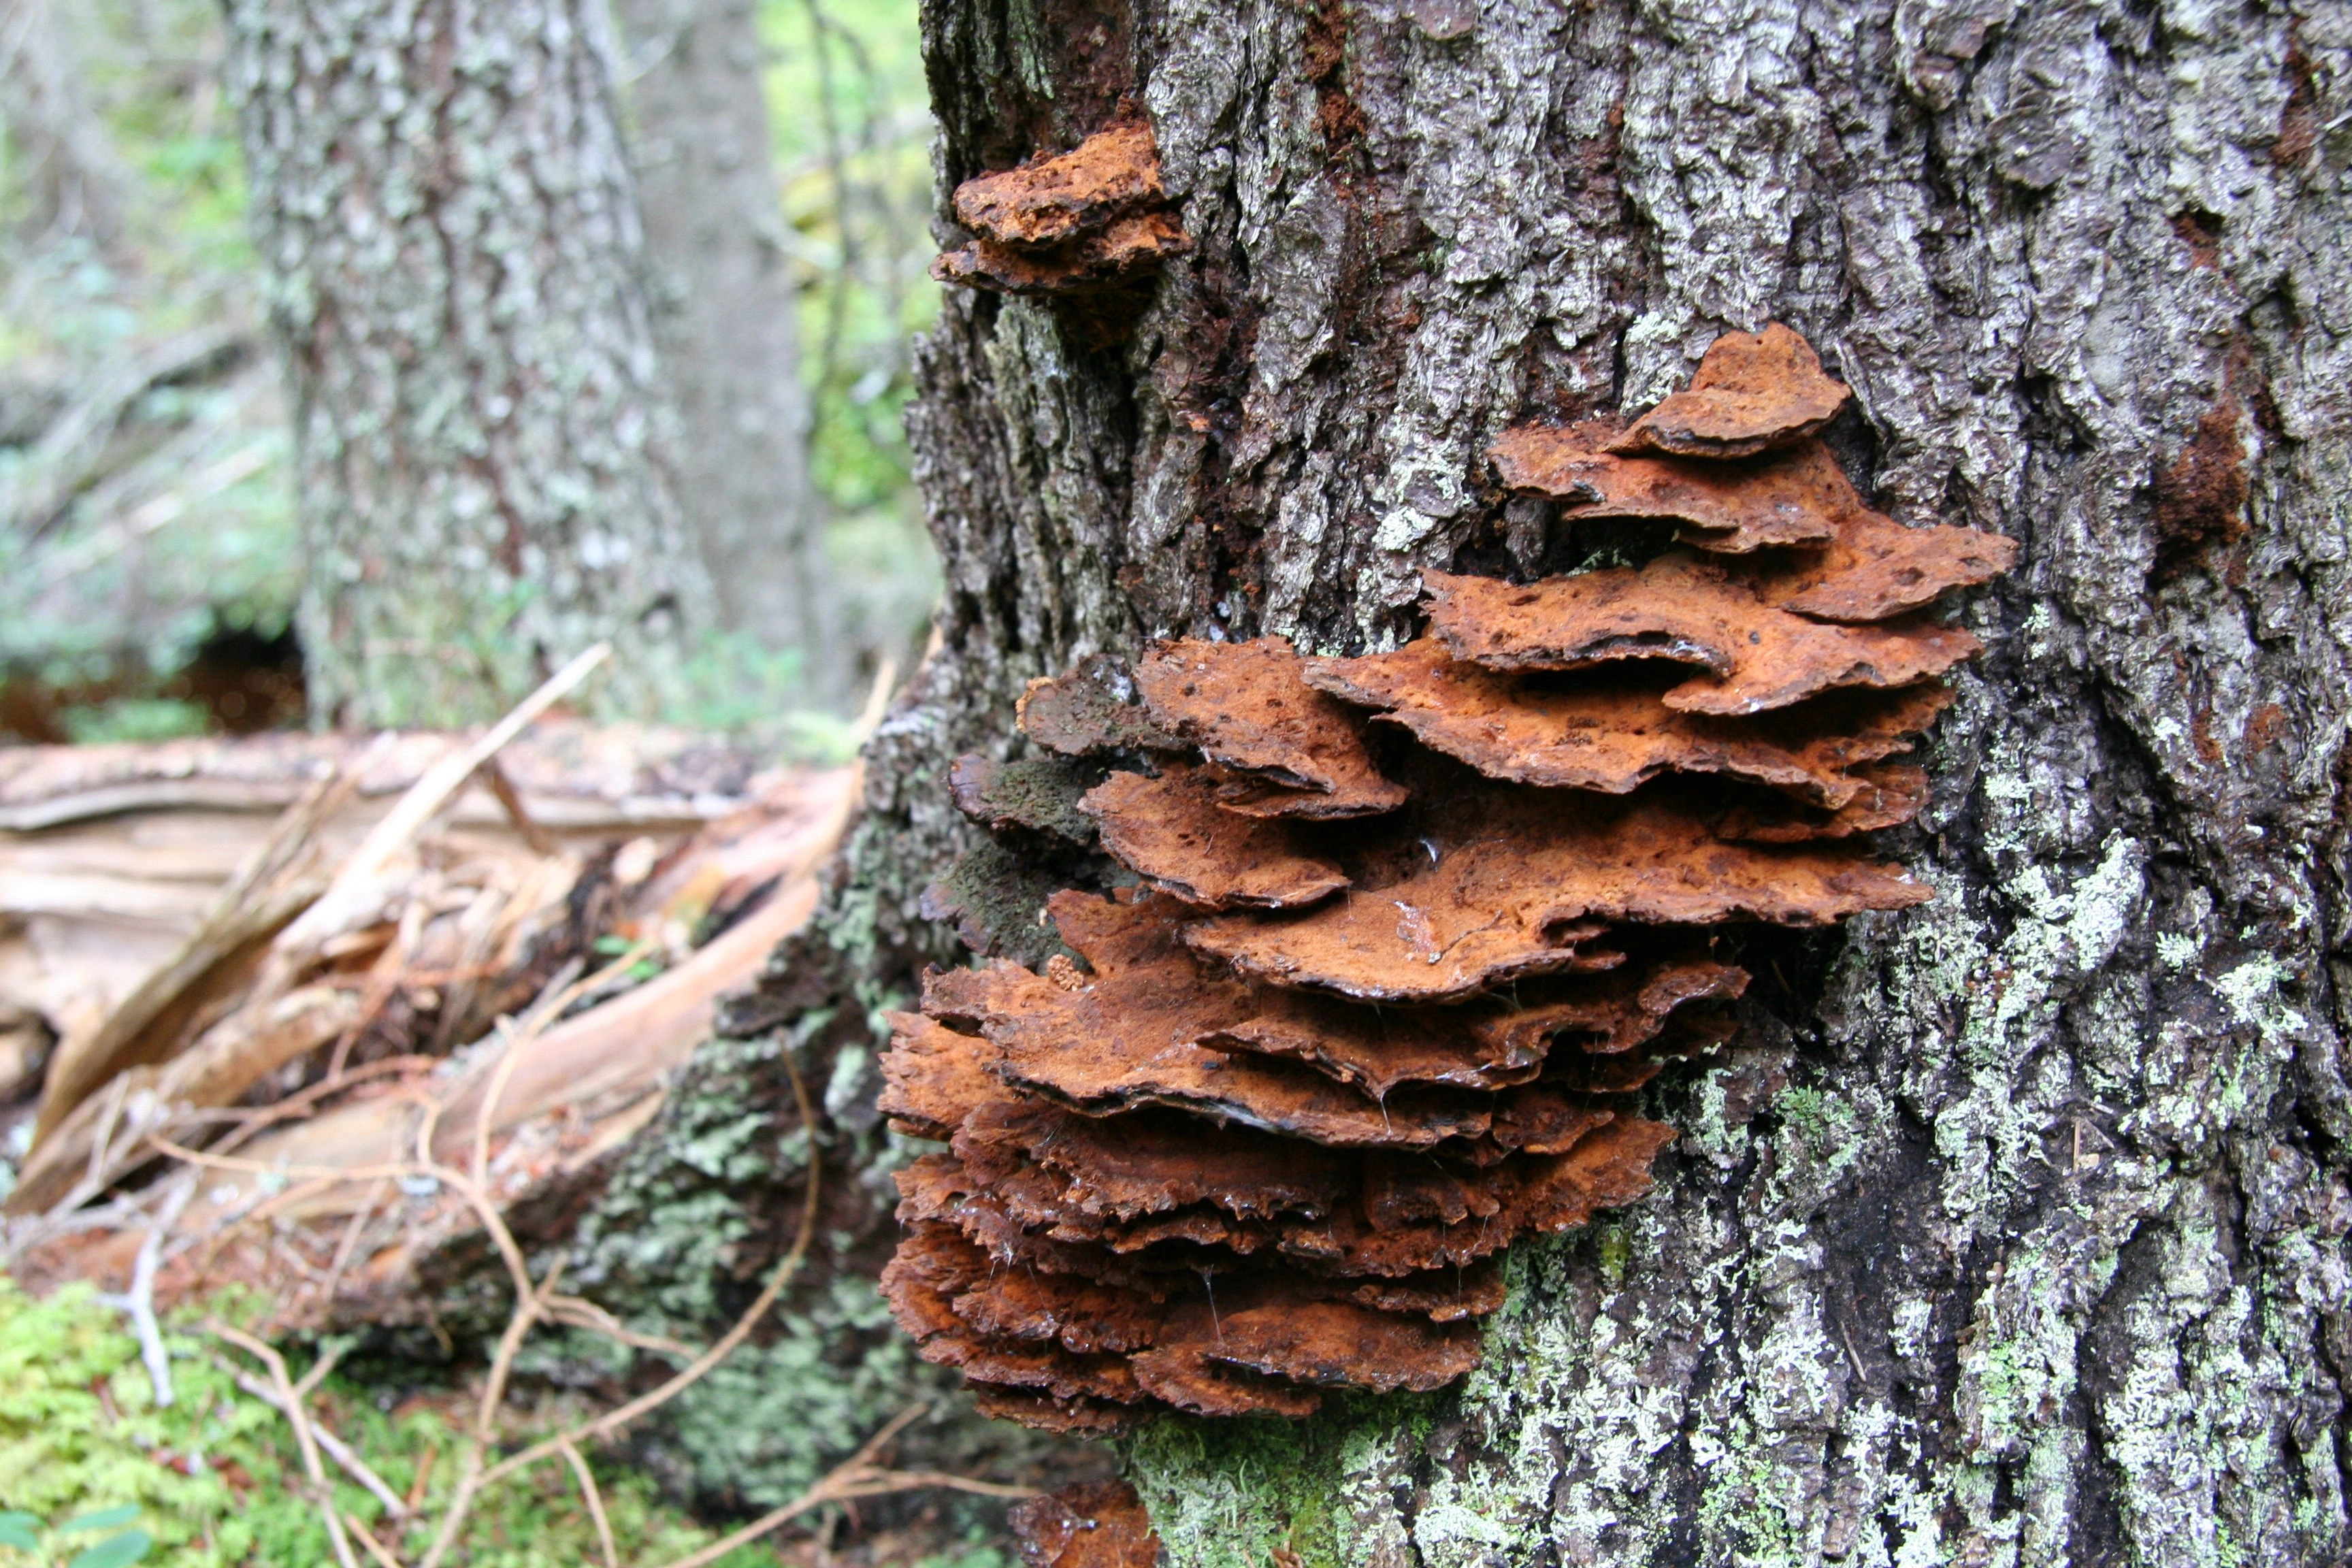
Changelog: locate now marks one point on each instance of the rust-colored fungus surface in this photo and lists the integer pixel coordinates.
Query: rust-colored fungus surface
(1171, 832)
(1798, 496)
(1413, 929)
(1848, 563)
(1751, 392)
(1092, 1524)
(1092, 218)
(1604, 734)
(1090, 710)
(1683, 610)
(1249, 708)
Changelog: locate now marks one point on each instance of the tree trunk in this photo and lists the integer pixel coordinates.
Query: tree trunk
(724, 310)
(2020, 1238)
(441, 200)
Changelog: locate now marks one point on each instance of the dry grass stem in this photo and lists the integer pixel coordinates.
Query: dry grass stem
(596, 1501)
(304, 1438)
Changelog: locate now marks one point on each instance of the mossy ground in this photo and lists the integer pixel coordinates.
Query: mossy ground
(216, 1476)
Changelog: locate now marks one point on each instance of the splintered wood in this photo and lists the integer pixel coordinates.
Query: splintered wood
(1411, 929)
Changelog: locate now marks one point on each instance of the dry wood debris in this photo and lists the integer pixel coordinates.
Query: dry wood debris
(1413, 929)
(484, 950)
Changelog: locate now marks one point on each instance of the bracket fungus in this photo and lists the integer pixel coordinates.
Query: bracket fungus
(1386, 946)
(1089, 226)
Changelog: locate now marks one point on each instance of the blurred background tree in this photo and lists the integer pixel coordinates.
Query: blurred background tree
(147, 489)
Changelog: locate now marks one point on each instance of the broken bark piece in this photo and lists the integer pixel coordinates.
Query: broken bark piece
(1798, 496)
(1249, 708)
(1124, 250)
(1171, 832)
(1037, 794)
(1752, 391)
(1091, 1524)
(1090, 710)
(1684, 611)
(1615, 737)
(1048, 199)
(1520, 879)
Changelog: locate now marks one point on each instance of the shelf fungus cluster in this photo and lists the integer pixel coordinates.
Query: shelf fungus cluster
(1088, 227)
(1392, 941)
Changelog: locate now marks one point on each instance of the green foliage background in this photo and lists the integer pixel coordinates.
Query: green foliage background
(101, 589)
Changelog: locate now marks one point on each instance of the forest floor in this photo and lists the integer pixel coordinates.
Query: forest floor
(148, 531)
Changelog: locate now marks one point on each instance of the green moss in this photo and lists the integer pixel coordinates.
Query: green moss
(215, 1476)
(1226, 1494)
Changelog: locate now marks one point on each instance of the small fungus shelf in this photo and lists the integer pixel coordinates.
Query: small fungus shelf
(1396, 940)
(1088, 228)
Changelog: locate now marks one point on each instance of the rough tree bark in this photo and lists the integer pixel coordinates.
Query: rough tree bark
(2014, 1230)
(724, 310)
(442, 203)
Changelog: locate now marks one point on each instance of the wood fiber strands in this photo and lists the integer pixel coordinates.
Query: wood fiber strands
(1385, 948)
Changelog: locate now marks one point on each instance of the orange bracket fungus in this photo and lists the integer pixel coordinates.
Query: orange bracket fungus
(1092, 221)
(1385, 947)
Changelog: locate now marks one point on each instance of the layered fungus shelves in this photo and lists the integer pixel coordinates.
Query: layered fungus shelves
(1089, 227)
(1385, 947)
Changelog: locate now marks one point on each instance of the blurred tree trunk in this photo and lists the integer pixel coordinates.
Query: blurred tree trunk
(724, 316)
(2020, 1238)
(442, 202)
(65, 167)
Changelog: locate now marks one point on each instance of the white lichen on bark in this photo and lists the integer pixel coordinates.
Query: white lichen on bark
(444, 214)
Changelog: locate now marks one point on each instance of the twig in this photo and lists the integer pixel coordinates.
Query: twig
(360, 873)
(367, 1539)
(329, 1359)
(346, 1457)
(595, 1500)
(560, 993)
(613, 1421)
(855, 1476)
(509, 1253)
(303, 1437)
(579, 1313)
(509, 799)
(251, 1122)
(344, 1250)
(139, 1302)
